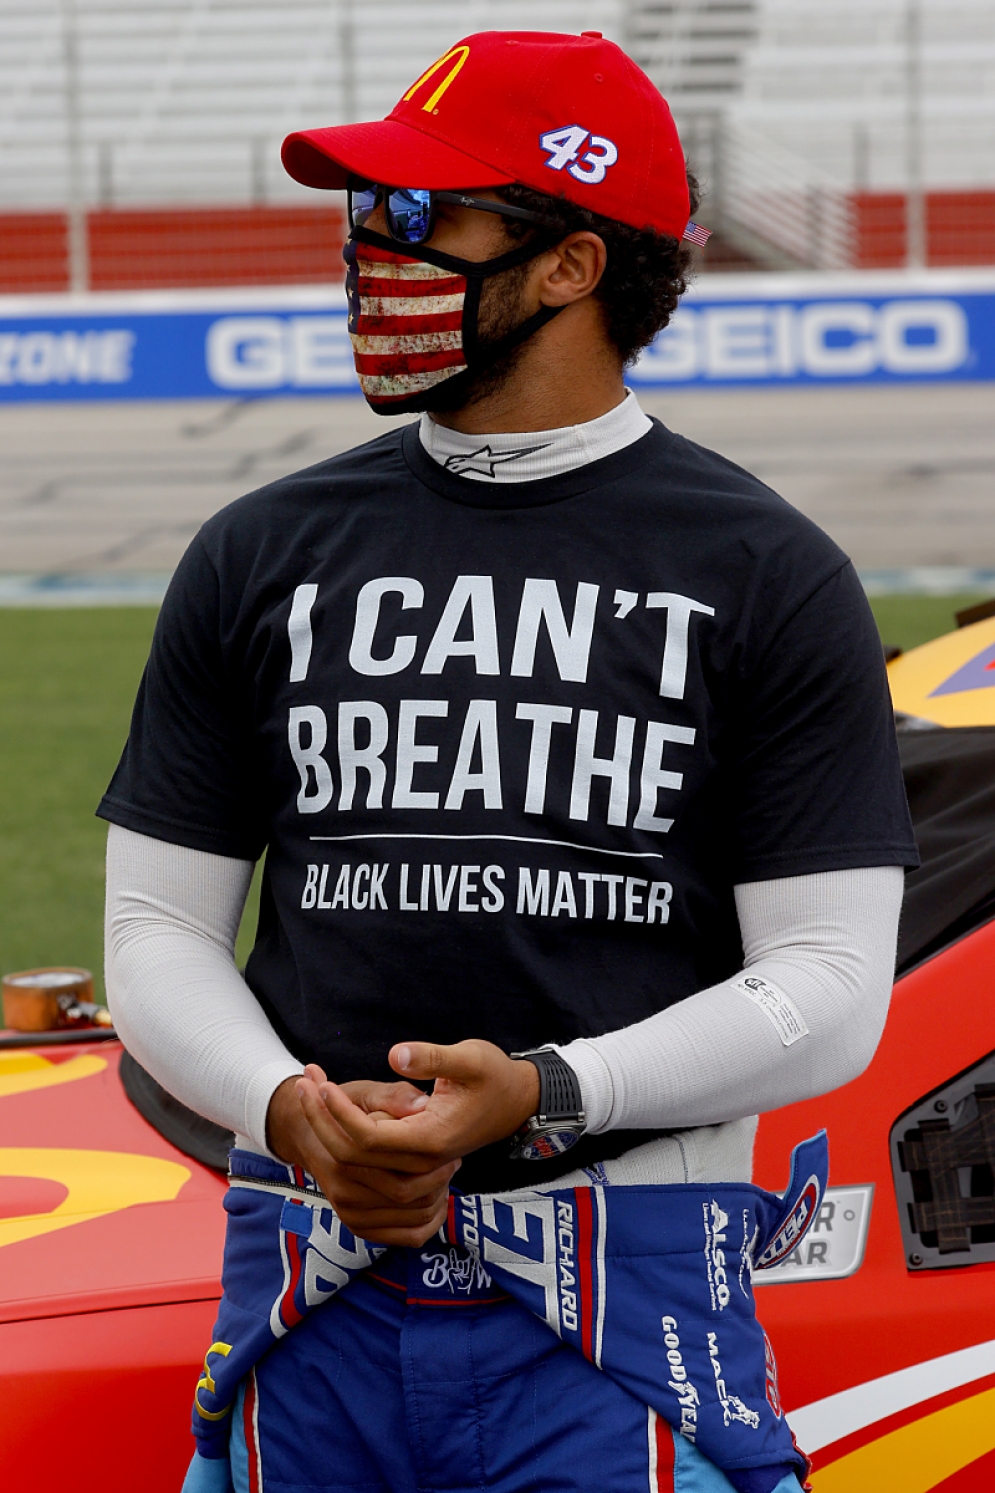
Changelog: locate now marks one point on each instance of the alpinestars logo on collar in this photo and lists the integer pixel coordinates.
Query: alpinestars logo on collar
(485, 460)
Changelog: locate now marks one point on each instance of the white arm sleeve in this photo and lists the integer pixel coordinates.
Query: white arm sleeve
(176, 996)
(826, 943)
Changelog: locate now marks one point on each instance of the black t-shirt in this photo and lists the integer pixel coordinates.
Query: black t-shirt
(510, 748)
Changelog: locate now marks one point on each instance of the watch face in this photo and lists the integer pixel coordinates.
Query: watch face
(547, 1144)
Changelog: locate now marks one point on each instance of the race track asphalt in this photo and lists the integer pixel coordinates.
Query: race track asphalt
(898, 476)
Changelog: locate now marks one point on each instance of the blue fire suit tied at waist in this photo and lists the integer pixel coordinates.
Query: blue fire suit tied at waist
(651, 1284)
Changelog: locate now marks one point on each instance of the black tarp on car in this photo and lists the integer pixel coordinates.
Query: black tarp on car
(950, 780)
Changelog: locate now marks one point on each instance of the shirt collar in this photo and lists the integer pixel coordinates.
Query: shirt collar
(525, 456)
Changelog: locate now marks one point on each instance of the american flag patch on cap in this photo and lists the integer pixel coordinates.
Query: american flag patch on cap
(697, 234)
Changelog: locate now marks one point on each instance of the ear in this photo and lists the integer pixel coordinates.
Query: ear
(571, 271)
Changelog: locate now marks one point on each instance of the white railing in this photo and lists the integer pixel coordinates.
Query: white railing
(777, 205)
(785, 202)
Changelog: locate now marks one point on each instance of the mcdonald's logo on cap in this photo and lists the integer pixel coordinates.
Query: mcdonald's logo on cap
(457, 56)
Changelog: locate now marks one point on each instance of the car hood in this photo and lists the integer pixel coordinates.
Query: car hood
(97, 1210)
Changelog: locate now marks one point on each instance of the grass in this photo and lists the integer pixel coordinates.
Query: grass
(67, 683)
(907, 621)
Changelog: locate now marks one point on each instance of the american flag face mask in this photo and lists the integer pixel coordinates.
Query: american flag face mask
(414, 320)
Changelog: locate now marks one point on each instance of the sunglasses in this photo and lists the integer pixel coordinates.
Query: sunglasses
(410, 211)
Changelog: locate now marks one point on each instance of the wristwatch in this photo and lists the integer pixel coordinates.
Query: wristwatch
(559, 1121)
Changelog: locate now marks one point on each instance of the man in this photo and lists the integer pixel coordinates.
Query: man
(550, 722)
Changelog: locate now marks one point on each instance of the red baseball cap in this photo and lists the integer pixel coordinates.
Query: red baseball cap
(569, 115)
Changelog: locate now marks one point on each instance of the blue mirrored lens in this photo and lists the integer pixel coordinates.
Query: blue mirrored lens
(362, 201)
(409, 214)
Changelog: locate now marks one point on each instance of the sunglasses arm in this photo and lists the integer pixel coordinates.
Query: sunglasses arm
(503, 209)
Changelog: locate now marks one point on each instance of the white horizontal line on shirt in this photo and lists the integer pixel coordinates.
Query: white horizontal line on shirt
(640, 855)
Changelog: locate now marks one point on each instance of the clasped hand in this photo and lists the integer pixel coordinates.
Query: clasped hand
(384, 1153)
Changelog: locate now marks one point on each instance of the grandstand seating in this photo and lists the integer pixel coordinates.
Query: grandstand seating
(790, 107)
(173, 248)
(694, 50)
(960, 228)
(808, 101)
(34, 252)
(828, 82)
(187, 100)
(177, 247)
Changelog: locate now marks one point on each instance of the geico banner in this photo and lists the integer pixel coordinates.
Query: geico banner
(175, 355)
(822, 341)
(739, 331)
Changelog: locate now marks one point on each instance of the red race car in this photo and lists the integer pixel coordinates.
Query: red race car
(883, 1322)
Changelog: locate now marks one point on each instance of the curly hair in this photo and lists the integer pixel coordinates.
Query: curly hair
(646, 274)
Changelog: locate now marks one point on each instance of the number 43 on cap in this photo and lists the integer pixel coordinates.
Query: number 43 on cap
(564, 146)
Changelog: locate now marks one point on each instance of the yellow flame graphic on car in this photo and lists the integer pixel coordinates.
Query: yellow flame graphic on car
(98, 1182)
(20, 1072)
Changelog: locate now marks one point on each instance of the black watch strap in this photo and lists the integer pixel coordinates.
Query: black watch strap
(559, 1087)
